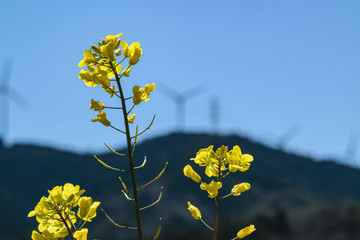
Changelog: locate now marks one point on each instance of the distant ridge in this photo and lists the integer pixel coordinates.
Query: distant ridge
(278, 179)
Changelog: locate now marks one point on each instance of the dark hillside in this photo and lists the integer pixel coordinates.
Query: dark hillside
(284, 187)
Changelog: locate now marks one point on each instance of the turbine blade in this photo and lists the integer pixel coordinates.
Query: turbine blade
(194, 91)
(169, 92)
(290, 133)
(6, 72)
(18, 98)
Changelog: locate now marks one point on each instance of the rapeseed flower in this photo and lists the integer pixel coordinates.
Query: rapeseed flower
(101, 117)
(190, 173)
(142, 94)
(212, 188)
(96, 105)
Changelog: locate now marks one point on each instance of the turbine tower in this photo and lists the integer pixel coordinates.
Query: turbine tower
(6, 93)
(214, 114)
(350, 152)
(180, 101)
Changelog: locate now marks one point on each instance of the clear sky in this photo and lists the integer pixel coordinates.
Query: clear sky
(272, 65)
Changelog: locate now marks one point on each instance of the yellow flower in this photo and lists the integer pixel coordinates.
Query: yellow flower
(101, 117)
(88, 58)
(113, 38)
(55, 194)
(195, 212)
(43, 236)
(142, 94)
(133, 52)
(126, 49)
(204, 156)
(107, 51)
(96, 105)
(136, 53)
(238, 161)
(212, 188)
(70, 190)
(126, 72)
(245, 231)
(240, 188)
(131, 118)
(87, 208)
(87, 77)
(190, 173)
(81, 235)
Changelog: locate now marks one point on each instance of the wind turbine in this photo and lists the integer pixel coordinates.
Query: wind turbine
(6, 93)
(286, 137)
(180, 101)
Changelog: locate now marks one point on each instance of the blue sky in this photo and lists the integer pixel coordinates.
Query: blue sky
(271, 64)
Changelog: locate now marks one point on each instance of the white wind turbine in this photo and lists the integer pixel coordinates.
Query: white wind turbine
(180, 101)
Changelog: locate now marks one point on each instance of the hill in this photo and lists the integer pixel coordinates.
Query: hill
(287, 191)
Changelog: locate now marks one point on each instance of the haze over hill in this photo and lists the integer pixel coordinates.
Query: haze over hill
(286, 191)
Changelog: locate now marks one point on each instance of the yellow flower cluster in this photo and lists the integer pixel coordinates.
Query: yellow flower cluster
(219, 164)
(55, 215)
(103, 67)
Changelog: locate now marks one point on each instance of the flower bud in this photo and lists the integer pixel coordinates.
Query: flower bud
(131, 118)
(245, 231)
(190, 173)
(195, 212)
(240, 188)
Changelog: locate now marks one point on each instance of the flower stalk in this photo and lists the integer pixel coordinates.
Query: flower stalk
(130, 155)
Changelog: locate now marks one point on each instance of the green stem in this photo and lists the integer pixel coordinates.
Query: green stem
(131, 161)
(66, 225)
(217, 200)
(113, 107)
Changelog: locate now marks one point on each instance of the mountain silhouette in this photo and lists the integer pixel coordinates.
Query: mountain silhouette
(286, 189)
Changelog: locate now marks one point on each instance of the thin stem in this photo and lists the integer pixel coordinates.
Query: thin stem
(154, 203)
(115, 224)
(206, 224)
(217, 200)
(226, 196)
(147, 128)
(131, 109)
(113, 107)
(118, 129)
(156, 178)
(131, 161)
(66, 225)
(158, 231)
(129, 98)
